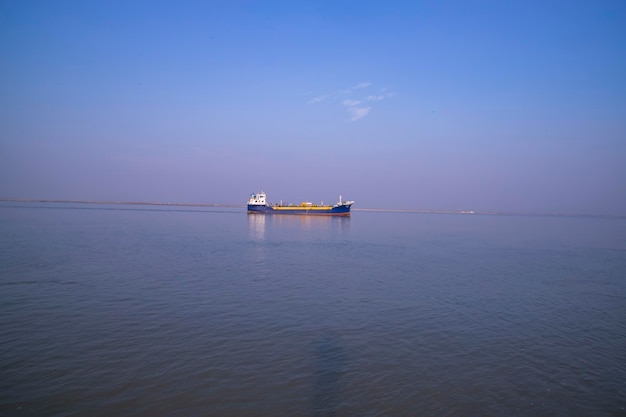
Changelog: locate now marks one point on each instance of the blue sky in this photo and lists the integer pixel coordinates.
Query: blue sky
(474, 105)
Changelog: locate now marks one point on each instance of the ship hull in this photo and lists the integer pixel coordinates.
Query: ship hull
(343, 210)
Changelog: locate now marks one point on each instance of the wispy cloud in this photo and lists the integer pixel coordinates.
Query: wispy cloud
(319, 98)
(352, 104)
(364, 84)
(383, 94)
(357, 113)
(359, 86)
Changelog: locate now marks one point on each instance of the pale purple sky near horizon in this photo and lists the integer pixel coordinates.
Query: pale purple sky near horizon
(474, 105)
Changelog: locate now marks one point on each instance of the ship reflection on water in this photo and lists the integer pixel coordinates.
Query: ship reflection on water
(256, 226)
(270, 234)
(262, 226)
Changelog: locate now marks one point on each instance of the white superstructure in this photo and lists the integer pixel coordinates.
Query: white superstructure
(258, 199)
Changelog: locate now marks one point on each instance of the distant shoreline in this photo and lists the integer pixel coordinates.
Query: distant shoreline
(134, 203)
(381, 210)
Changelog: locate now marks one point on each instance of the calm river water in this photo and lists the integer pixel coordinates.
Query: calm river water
(136, 311)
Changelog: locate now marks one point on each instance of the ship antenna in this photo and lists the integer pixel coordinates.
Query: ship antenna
(339, 198)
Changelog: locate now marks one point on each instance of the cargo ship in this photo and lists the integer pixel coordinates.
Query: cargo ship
(258, 204)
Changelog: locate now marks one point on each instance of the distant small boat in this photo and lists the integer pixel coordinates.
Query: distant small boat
(258, 204)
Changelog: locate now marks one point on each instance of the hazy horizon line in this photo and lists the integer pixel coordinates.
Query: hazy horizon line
(365, 209)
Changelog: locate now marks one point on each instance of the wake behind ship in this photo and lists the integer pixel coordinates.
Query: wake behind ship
(258, 204)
